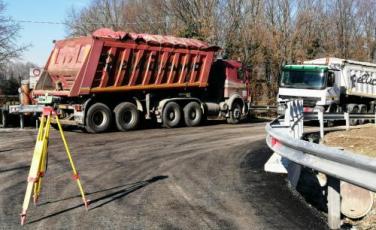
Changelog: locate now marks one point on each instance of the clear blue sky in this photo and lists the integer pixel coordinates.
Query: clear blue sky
(40, 36)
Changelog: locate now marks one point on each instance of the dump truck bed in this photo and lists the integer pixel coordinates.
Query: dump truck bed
(358, 78)
(111, 61)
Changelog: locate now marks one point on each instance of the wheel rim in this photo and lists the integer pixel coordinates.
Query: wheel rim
(354, 121)
(171, 115)
(99, 118)
(127, 117)
(192, 114)
(237, 113)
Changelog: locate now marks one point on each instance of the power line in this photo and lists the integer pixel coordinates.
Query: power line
(40, 22)
(65, 23)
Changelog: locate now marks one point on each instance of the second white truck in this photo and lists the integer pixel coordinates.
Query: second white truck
(332, 84)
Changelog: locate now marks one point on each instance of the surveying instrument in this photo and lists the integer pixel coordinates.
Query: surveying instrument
(39, 161)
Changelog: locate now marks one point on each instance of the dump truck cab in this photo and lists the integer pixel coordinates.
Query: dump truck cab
(315, 84)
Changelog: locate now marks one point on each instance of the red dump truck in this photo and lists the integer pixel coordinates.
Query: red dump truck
(122, 78)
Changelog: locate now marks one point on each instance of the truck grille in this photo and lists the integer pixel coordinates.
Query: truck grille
(307, 101)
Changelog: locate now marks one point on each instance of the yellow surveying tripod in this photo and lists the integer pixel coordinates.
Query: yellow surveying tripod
(39, 162)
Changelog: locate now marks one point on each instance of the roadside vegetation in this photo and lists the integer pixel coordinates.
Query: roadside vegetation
(264, 34)
(12, 71)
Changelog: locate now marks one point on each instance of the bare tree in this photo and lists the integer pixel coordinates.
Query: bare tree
(100, 13)
(264, 34)
(9, 48)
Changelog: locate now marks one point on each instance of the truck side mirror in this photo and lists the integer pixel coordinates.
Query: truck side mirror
(331, 79)
(240, 74)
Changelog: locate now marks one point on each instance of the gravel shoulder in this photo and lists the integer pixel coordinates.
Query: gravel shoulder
(360, 140)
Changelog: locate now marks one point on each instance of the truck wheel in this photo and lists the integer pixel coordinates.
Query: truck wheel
(98, 118)
(332, 109)
(64, 127)
(362, 109)
(192, 114)
(235, 114)
(55, 126)
(127, 117)
(353, 108)
(171, 115)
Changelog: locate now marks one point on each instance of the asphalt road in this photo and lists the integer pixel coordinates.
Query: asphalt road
(209, 177)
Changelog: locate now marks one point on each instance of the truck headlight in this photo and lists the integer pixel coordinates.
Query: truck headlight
(281, 108)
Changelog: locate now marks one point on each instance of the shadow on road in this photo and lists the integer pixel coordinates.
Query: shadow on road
(311, 190)
(146, 124)
(277, 205)
(103, 200)
(22, 167)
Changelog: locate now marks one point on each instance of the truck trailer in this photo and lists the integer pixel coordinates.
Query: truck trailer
(330, 84)
(123, 78)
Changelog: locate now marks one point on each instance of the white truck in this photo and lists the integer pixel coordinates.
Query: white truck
(332, 84)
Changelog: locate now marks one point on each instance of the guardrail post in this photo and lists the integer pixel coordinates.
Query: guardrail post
(321, 120)
(334, 203)
(301, 122)
(347, 118)
(3, 118)
(295, 112)
(375, 117)
(21, 121)
(287, 114)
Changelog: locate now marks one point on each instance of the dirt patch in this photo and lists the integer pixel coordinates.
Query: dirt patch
(360, 140)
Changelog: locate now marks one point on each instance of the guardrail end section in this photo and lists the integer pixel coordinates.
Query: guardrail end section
(278, 164)
(275, 164)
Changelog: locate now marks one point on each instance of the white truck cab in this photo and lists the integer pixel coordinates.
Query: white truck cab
(312, 83)
(330, 84)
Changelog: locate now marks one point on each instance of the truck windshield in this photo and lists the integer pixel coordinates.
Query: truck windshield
(303, 79)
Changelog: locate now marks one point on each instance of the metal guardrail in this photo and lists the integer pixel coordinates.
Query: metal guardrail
(308, 116)
(337, 164)
(321, 117)
(262, 108)
(353, 168)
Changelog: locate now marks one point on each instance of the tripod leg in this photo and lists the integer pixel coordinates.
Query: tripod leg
(34, 170)
(37, 190)
(42, 168)
(75, 173)
(25, 205)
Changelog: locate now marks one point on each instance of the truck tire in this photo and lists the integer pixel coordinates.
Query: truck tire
(362, 109)
(334, 108)
(64, 127)
(127, 117)
(55, 126)
(235, 114)
(171, 115)
(353, 108)
(192, 114)
(98, 118)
